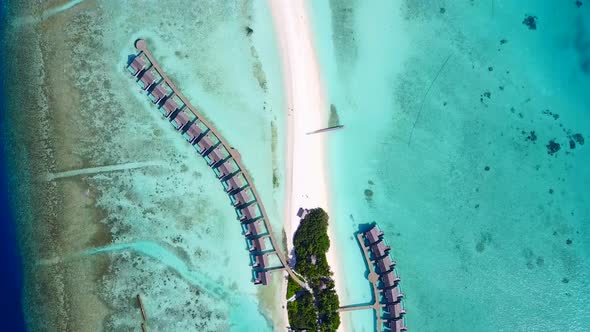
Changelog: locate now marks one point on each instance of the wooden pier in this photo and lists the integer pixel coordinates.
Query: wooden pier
(324, 130)
(140, 304)
(356, 307)
(141, 46)
(143, 315)
(373, 279)
(393, 315)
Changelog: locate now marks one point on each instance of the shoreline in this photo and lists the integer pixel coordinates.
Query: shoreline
(307, 184)
(78, 196)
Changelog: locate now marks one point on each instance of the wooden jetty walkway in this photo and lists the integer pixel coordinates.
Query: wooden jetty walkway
(143, 315)
(395, 312)
(356, 307)
(373, 279)
(140, 304)
(323, 130)
(142, 69)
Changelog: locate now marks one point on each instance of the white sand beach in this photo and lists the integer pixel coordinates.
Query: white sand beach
(307, 111)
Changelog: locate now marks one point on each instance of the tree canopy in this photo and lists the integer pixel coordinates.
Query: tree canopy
(311, 243)
(302, 313)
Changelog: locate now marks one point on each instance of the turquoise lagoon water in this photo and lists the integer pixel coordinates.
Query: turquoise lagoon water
(243, 312)
(483, 250)
(173, 232)
(241, 95)
(449, 107)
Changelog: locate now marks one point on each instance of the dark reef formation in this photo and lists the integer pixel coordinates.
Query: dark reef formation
(578, 138)
(530, 21)
(555, 116)
(532, 136)
(334, 119)
(368, 194)
(553, 147)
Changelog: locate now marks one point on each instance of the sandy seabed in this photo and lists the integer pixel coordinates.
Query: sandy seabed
(307, 180)
(166, 229)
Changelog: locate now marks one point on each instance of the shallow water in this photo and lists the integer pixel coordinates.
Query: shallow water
(448, 114)
(242, 308)
(439, 105)
(128, 191)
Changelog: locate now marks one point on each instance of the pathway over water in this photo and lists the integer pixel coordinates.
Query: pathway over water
(141, 45)
(394, 315)
(373, 279)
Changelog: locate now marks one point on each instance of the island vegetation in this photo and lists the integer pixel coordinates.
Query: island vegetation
(317, 311)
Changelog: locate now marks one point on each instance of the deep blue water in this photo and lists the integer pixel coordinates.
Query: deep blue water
(11, 313)
(10, 277)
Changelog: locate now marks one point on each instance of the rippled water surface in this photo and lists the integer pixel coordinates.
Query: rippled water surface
(464, 142)
(115, 202)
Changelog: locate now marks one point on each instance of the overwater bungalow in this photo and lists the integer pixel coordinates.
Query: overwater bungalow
(248, 213)
(384, 264)
(235, 183)
(226, 168)
(395, 311)
(257, 244)
(379, 249)
(393, 295)
(149, 78)
(261, 278)
(194, 132)
(389, 279)
(217, 155)
(204, 144)
(181, 119)
(260, 261)
(186, 118)
(242, 197)
(373, 235)
(396, 325)
(216, 143)
(253, 229)
(139, 63)
(159, 91)
(171, 105)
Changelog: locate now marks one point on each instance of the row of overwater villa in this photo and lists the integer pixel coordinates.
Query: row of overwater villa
(223, 159)
(387, 285)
